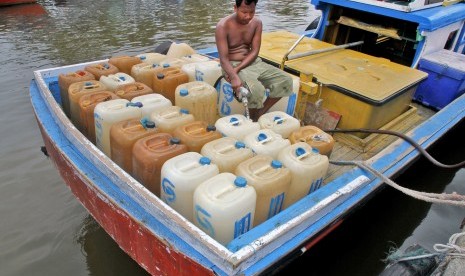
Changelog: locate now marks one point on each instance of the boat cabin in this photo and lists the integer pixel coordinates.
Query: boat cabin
(402, 36)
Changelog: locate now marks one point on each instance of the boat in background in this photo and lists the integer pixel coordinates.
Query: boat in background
(32, 9)
(15, 2)
(162, 241)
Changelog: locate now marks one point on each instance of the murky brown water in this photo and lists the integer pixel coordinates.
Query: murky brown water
(44, 229)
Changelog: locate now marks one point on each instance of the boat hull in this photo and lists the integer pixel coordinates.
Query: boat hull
(15, 2)
(154, 255)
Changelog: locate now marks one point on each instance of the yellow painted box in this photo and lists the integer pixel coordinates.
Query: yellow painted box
(367, 91)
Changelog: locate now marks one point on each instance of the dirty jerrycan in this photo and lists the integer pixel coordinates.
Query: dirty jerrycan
(308, 168)
(266, 141)
(315, 137)
(224, 207)
(280, 122)
(227, 153)
(87, 105)
(199, 98)
(168, 118)
(148, 156)
(180, 176)
(123, 135)
(151, 102)
(271, 181)
(101, 69)
(75, 92)
(65, 80)
(106, 114)
(196, 134)
(236, 126)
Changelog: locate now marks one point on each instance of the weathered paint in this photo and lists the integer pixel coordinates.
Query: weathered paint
(156, 256)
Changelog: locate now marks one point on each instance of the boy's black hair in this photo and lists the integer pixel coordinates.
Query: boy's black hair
(247, 2)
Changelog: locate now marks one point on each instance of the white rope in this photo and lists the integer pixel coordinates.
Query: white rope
(451, 199)
(452, 248)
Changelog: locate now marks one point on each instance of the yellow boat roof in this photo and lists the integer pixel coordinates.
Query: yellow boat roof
(374, 78)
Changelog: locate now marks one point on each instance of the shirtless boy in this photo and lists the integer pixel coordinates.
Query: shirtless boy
(238, 38)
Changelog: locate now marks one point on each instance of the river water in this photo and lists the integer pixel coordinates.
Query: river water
(45, 231)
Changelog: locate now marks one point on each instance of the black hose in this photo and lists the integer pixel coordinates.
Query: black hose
(406, 138)
(218, 81)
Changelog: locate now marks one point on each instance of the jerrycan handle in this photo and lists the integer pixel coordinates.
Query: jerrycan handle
(172, 114)
(239, 182)
(135, 87)
(172, 71)
(226, 148)
(203, 161)
(195, 129)
(199, 87)
(157, 143)
(275, 164)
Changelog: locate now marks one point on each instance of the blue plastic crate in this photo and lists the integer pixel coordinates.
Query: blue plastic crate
(446, 78)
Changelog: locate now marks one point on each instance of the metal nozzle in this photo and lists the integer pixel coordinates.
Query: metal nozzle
(244, 93)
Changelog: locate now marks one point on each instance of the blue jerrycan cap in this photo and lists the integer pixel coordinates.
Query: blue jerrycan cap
(175, 141)
(278, 119)
(300, 151)
(239, 145)
(184, 111)
(240, 181)
(262, 136)
(234, 121)
(136, 104)
(205, 161)
(276, 164)
(183, 92)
